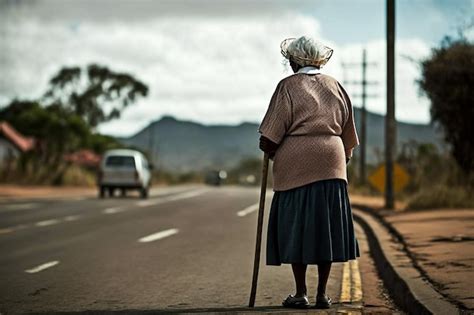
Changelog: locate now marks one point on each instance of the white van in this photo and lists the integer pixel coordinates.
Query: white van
(124, 169)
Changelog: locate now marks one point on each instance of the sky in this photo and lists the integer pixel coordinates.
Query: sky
(218, 61)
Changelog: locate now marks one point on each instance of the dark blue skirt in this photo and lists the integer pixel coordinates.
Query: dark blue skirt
(311, 224)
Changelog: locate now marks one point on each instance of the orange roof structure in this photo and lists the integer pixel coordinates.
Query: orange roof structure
(83, 157)
(22, 142)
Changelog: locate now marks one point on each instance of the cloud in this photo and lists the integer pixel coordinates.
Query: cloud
(411, 105)
(110, 10)
(218, 69)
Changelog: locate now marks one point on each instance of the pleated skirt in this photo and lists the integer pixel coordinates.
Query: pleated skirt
(311, 224)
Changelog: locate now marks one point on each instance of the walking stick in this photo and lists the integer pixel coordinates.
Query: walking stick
(258, 243)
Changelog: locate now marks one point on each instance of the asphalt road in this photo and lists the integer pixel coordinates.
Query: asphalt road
(185, 249)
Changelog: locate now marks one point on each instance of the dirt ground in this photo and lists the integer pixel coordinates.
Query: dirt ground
(376, 202)
(442, 243)
(26, 192)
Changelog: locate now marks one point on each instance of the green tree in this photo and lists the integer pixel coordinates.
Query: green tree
(101, 143)
(448, 80)
(97, 94)
(56, 130)
(64, 121)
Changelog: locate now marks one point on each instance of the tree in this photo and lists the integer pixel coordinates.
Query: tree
(448, 80)
(64, 120)
(101, 143)
(57, 130)
(97, 94)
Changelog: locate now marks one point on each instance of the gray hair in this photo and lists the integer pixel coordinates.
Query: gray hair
(306, 51)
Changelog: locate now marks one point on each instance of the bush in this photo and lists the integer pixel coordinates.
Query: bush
(78, 176)
(436, 180)
(447, 78)
(442, 196)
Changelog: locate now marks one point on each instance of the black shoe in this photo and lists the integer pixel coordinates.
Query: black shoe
(296, 302)
(323, 302)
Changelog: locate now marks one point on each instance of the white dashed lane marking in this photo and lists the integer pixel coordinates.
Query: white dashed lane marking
(56, 221)
(20, 206)
(158, 236)
(42, 267)
(42, 223)
(248, 210)
(185, 195)
(71, 218)
(47, 222)
(113, 210)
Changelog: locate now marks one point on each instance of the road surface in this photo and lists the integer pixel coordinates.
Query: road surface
(185, 249)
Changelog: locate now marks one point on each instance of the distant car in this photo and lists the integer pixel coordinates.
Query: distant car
(124, 169)
(248, 180)
(215, 178)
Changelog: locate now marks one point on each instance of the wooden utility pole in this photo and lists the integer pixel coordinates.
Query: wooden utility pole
(363, 117)
(363, 128)
(151, 141)
(390, 127)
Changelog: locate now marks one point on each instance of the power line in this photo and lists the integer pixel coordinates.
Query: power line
(363, 119)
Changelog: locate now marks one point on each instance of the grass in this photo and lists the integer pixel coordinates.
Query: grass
(77, 176)
(442, 196)
(68, 175)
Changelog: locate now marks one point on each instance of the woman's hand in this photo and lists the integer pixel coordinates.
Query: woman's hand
(268, 146)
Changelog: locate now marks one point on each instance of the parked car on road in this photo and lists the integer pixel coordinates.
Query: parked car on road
(124, 169)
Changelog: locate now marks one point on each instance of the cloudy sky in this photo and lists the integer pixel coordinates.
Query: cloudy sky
(216, 61)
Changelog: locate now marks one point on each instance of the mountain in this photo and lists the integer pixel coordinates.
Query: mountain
(406, 132)
(189, 146)
(184, 146)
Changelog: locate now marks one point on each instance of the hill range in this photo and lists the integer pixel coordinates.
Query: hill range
(183, 146)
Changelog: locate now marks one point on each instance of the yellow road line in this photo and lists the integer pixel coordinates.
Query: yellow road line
(345, 284)
(351, 284)
(356, 293)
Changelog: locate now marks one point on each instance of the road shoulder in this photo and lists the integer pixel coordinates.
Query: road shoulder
(410, 287)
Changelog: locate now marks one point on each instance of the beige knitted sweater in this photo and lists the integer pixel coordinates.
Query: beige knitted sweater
(310, 116)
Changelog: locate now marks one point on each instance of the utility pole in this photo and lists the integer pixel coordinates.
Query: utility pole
(151, 141)
(363, 130)
(363, 118)
(390, 127)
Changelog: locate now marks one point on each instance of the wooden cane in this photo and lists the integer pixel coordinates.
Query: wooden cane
(256, 263)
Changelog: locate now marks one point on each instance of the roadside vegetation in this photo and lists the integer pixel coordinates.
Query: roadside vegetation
(447, 179)
(441, 177)
(436, 180)
(64, 120)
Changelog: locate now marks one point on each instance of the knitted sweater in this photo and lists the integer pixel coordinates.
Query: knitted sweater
(310, 116)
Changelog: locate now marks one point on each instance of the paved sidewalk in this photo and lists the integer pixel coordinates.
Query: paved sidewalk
(442, 244)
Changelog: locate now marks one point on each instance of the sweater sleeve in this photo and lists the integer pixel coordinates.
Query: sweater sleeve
(278, 118)
(349, 133)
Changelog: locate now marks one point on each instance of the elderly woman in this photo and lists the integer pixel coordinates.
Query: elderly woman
(310, 134)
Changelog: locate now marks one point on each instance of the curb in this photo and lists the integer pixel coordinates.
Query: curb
(410, 290)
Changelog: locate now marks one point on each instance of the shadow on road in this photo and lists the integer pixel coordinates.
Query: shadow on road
(336, 308)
